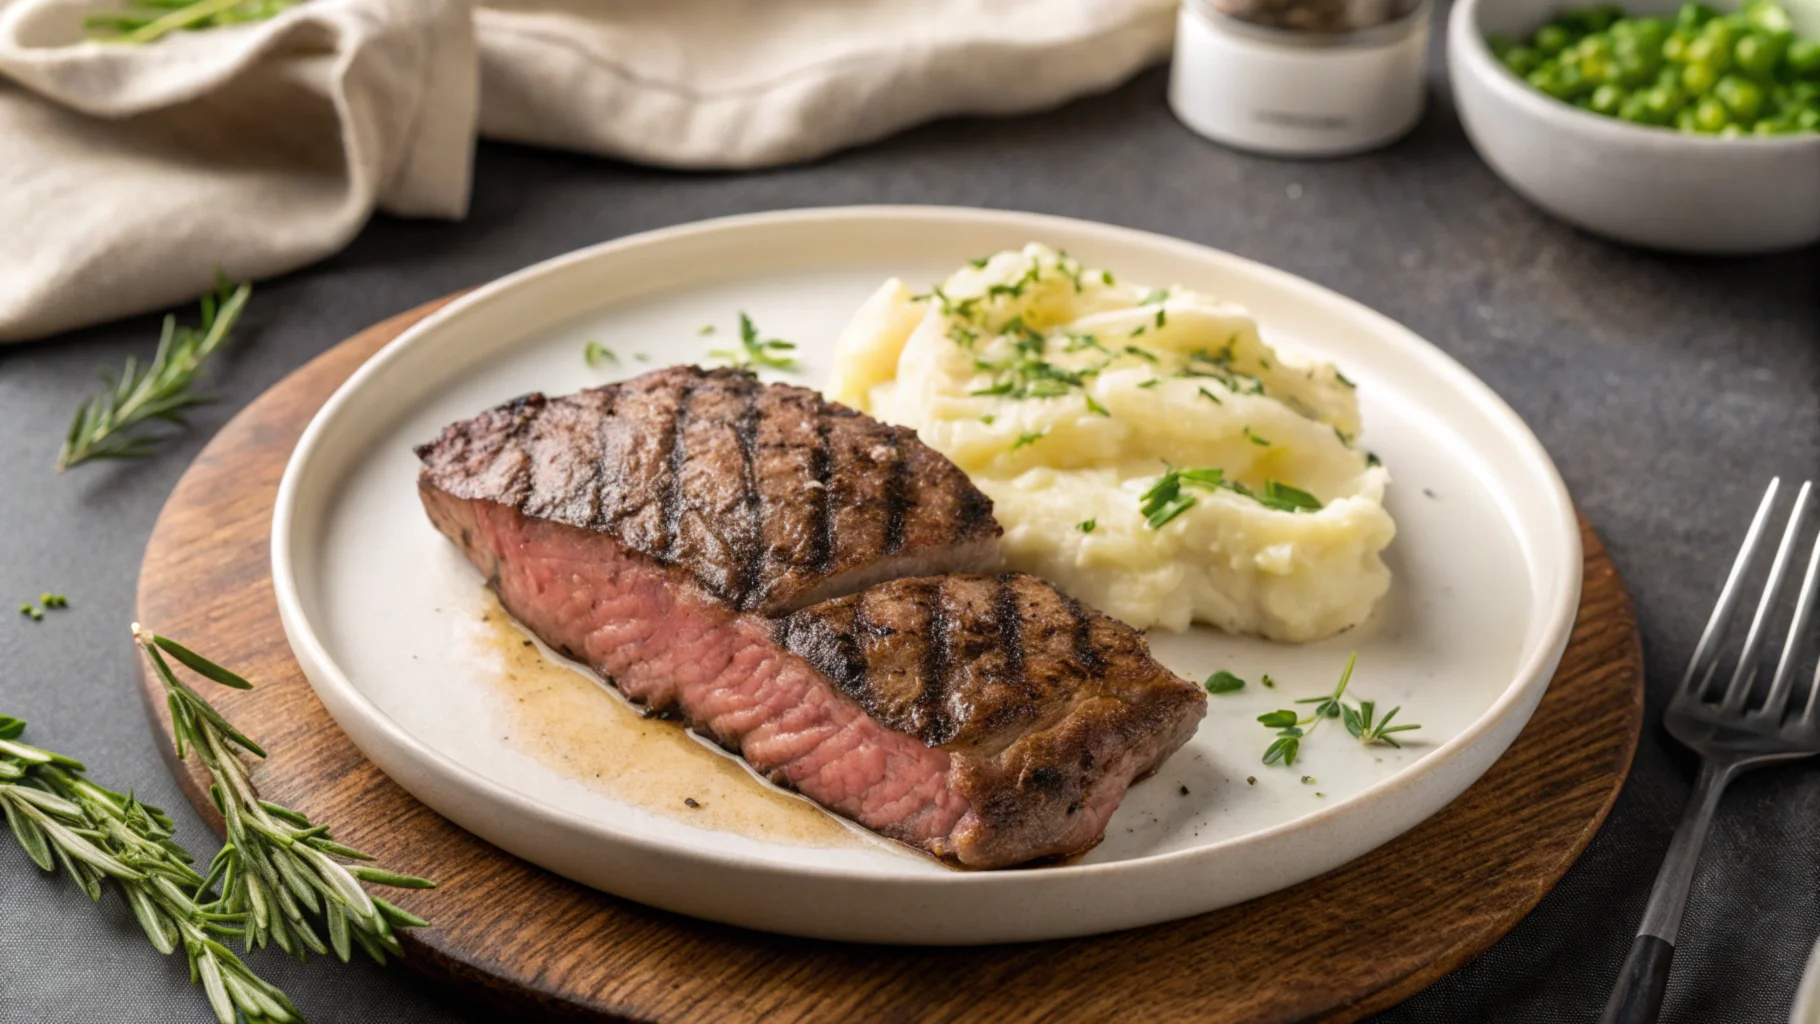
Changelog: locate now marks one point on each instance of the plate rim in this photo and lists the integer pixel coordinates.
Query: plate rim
(1528, 681)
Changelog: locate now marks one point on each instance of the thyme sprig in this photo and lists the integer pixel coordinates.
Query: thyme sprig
(146, 21)
(278, 872)
(109, 425)
(63, 820)
(1359, 720)
(754, 351)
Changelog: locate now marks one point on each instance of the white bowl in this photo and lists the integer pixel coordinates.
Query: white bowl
(1649, 186)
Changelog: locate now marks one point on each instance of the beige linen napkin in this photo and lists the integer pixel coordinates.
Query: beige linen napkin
(128, 174)
(745, 83)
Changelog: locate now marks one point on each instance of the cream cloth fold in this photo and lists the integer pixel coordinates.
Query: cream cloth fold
(129, 174)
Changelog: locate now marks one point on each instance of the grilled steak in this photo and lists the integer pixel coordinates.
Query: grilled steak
(770, 497)
(664, 529)
(1046, 710)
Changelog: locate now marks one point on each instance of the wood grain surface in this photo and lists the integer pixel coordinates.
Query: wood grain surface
(1351, 942)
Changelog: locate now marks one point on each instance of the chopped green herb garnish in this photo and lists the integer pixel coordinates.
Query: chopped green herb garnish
(1136, 333)
(1152, 382)
(1223, 682)
(1337, 375)
(1254, 438)
(987, 419)
(1106, 277)
(597, 354)
(1285, 498)
(1144, 354)
(1341, 434)
(1208, 394)
(1165, 500)
(1029, 439)
(1094, 407)
(1372, 460)
(756, 352)
(706, 329)
(1268, 682)
(980, 263)
(1360, 721)
(1087, 525)
(1162, 317)
(1154, 295)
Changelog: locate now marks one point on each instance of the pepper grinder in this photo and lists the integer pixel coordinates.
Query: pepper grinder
(1300, 77)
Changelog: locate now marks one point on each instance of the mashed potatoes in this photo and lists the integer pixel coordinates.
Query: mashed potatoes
(1144, 449)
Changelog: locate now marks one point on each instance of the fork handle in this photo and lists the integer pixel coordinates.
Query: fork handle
(1637, 997)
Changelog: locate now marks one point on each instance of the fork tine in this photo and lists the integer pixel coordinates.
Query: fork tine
(1706, 653)
(1738, 690)
(1796, 642)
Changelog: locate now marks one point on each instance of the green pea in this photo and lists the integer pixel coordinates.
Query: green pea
(1650, 32)
(1709, 115)
(1804, 58)
(1669, 77)
(1552, 39)
(1606, 99)
(1693, 15)
(1732, 131)
(1808, 120)
(1675, 46)
(1766, 128)
(1594, 46)
(1757, 55)
(1698, 78)
(1664, 103)
(1635, 72)
(1596, 71)
(1522, 60)
(1741, 96)
(1635, 108)
(1711, 49)
(1684, 121)
(1767, 17)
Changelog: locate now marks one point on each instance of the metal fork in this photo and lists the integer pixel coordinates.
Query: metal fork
(1730, 738)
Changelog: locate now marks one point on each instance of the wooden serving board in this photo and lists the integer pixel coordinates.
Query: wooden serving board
(1351, 942)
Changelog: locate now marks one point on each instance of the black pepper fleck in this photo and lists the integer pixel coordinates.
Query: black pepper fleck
(689, 801)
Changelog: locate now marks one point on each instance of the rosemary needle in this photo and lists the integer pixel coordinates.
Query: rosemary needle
(108, 425)
(278, 871)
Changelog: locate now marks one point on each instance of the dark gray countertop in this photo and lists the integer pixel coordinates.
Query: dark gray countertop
(1667, 389)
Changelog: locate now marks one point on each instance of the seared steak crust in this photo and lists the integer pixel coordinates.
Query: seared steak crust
(770, 496)
(1047, 707)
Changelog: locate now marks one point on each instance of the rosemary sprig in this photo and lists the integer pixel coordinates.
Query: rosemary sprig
(756, 352)
(1360, 720)
(62, 820)
(278, 871)
(107, 426)
(146, 21)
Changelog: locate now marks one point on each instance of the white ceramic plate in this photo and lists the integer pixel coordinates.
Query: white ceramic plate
(384, 615)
